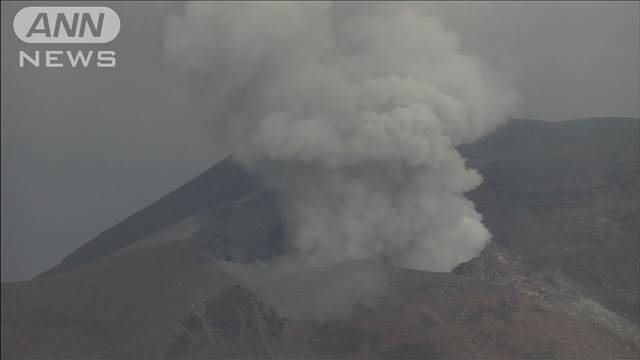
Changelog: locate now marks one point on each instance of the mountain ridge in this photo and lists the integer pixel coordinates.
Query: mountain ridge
(559, 280)
(229, 189)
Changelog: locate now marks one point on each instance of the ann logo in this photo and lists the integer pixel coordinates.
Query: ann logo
(66, 24)
(42, 25)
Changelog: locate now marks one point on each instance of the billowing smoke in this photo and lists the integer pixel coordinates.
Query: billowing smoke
(355, 113)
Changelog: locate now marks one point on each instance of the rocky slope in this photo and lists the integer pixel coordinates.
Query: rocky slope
(565, 196)
(167, 301)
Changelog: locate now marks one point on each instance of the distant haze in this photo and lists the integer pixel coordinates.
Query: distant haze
(85, 148)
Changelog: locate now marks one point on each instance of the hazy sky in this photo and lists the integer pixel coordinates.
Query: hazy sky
(85, 148)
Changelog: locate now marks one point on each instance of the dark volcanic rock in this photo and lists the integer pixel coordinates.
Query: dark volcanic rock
(164, 302)
(564, 196)
(218, 186)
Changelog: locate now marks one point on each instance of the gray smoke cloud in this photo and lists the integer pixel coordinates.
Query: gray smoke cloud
(356, 115)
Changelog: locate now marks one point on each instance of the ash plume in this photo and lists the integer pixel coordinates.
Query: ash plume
(355, 113)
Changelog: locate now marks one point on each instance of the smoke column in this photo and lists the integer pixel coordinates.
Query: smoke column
(355, 113)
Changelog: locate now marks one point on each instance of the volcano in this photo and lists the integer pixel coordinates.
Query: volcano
(184, 277)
